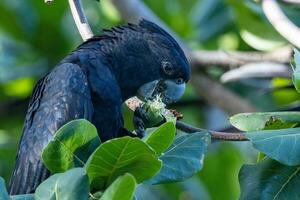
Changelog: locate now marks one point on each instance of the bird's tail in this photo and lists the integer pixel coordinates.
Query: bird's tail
(27, 175)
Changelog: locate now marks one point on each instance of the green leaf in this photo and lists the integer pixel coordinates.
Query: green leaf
(213, 17)
(162, 137)
(282, 145)
(220, 171)
(183, 159)
(22, 197)
(71, 146)
(3, 191)
(269, 180)
(265, 120)
(119, 156)
(72, 184)
(110, 11)
(122, 188)
(296, 60)
(296, 70)
(254, 28)
(296, 80)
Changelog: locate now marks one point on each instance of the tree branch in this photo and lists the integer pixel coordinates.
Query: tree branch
(216, 135)
(80, 19)
(187, 128)
(297, 2)
(257, 70)
(225, 99)
(280, 22)
(234, 59)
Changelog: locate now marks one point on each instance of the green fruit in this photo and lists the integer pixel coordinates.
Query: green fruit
(156, 112)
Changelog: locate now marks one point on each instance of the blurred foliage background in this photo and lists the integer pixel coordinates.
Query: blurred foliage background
(34, 36)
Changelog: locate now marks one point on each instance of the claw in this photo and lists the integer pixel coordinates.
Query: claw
(139, 120)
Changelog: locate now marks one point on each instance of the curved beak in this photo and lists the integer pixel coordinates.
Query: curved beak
(169, 90)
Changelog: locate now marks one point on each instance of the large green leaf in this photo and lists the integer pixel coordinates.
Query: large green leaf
(4, 195)
(282, 145)
(71, 146)
(72, 184)
(122, 188)
(119, 156)
(213, 17)
(254, 28)
(3, 191)
(162, 137)
(269, 180)
(183, 159)
(220, 170)
(265, 120)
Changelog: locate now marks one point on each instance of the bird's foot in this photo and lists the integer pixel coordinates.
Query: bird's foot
(139, 120)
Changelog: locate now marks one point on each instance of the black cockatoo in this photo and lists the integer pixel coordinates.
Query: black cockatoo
(92, 83)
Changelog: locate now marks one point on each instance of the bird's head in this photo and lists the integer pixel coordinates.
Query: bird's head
(146, 61)
(165, 64)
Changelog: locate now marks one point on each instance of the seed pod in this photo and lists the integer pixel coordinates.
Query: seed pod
(157, 113)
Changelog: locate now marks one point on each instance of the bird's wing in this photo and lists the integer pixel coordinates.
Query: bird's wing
(59, 97)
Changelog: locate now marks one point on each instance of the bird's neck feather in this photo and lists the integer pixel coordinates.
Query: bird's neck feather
(128, 70)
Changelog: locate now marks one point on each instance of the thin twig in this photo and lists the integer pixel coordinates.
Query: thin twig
(257, 70)
(297, 2)
(80, 19)
(280, 22)
(214, 93)
(133, 103)
(234, 59)
(216, 135)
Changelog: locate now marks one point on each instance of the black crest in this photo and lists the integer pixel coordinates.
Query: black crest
(144, 26)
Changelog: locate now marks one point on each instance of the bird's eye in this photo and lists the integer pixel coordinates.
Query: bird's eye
(179, 81)
(167, 67)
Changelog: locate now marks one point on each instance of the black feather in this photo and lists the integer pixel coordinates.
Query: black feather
(92, 82)
(57, 99)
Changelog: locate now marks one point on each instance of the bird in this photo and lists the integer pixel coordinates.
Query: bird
(92, 82)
